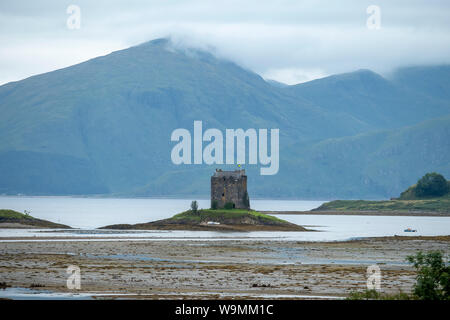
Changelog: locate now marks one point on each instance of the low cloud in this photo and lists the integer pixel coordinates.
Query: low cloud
(288, 41)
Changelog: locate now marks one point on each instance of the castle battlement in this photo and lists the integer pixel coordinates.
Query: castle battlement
(229, 174)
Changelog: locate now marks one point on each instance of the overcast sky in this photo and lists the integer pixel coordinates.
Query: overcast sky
(289, 41)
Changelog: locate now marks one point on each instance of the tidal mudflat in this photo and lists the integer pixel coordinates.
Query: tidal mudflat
(213, 269)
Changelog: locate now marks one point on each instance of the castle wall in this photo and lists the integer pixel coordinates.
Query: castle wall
(229, 186)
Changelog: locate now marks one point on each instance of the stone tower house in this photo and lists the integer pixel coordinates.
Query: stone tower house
(230, 186)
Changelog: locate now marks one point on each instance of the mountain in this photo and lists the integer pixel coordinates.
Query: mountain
(433, 81)
(371, 165)
(108, 121)
(277, 83)
(371, 99)
(104, 126)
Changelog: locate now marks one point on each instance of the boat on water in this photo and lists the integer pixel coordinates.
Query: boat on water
(410, 230)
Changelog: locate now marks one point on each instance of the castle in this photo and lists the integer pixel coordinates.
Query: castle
(229, 187)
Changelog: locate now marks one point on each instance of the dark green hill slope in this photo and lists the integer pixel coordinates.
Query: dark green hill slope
(371, 99)
(377, 165)
(109, 119)
(104, 126)
(433, 81)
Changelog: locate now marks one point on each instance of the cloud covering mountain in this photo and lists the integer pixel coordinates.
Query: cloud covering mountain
(288, 41)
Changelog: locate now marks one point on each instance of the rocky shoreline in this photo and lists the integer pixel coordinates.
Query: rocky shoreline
(214, 269)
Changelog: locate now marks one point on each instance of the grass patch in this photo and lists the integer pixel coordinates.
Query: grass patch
(430, 205)
(11, 214)
(224, 214)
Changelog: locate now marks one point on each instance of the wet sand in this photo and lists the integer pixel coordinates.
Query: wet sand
(212, 269)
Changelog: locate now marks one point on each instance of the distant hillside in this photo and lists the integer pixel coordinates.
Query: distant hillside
(432, 81)
(372, 165)
(371, 99)
(410, 194)
(107, 122)
(104, 126)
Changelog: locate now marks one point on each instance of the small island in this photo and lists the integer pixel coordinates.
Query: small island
(17, 220)
(215, 220)
(230, 211)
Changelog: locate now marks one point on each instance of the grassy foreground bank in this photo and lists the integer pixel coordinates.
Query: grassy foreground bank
(14, 219)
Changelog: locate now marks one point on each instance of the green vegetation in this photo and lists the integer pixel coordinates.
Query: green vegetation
(25, 219)
(430, 194)
(228, 206)
(246, 200)
(214, 204)
(53, 141)
(194, 206)
(433, 276)
(222, 220)
(224, 215)
(431, 205)
(11, 214)
(432, 281)
(431, 185)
